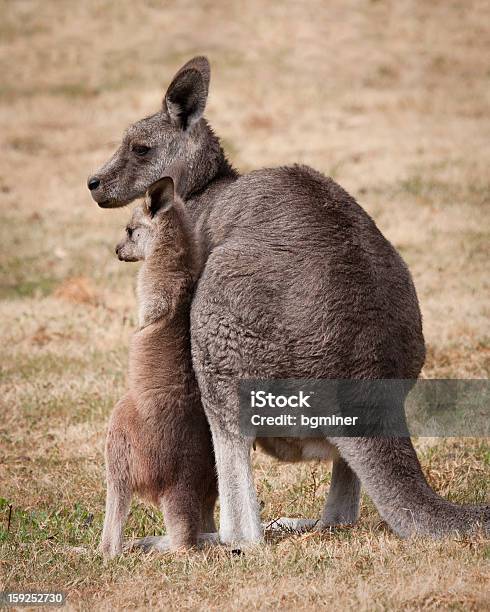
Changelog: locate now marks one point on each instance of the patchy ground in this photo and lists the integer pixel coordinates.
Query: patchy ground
(391, 99)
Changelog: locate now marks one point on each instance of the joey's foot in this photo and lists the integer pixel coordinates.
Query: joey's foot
(163, 543)
(148, 544)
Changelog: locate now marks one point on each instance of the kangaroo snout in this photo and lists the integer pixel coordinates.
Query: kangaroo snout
(93, 182)
(97, 190)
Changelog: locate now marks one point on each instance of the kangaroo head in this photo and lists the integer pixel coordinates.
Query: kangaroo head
(177, 132)
(143, 227)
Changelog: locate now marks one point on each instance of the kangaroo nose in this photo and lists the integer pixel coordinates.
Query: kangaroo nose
(93, 183)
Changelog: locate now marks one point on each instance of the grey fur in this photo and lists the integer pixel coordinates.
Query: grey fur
(342, 505)
(298, 283)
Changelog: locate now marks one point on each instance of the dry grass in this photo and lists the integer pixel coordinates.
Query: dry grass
(389, 98)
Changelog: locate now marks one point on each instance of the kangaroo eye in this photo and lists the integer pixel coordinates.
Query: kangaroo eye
(129, 232)
(140, 149)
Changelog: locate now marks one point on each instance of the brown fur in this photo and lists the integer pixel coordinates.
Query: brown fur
(158, 442)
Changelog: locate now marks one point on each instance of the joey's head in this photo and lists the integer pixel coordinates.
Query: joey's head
(138, 237)
(177, 132)
(145, 223)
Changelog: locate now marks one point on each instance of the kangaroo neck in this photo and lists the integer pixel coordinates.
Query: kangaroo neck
(200, 203)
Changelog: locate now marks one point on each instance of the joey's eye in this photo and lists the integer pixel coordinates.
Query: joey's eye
(140, 150)
(129, 232)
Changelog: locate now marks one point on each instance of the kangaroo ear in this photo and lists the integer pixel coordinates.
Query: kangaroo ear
(160, 196)
(186, 96)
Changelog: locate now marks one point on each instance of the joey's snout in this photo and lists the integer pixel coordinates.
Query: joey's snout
(126, 251)
(121, 252)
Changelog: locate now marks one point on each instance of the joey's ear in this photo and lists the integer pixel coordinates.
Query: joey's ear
(160, 196)
(186, 95)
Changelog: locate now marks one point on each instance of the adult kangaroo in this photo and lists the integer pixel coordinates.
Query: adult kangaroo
(298, 283)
